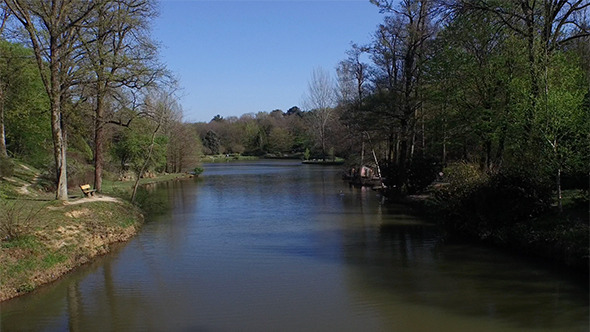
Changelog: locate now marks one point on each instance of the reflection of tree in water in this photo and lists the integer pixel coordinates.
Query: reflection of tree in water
(151, 200)
(74, 310)
(397, 263)
(126, 308)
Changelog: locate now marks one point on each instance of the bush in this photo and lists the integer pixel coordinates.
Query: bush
(198, 170)
(507, 198)
(459, 180)
(477, 205)
(16, 219)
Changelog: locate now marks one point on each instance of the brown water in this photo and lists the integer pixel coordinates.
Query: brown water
(279, 246)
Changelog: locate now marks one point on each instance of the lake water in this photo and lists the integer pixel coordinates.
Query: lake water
(279, 246)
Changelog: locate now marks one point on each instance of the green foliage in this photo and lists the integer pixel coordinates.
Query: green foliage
(212, 142)
(131, 147)
(198, 170)
(52, 259)
(306, 154)
(279, 141)
(27, 127)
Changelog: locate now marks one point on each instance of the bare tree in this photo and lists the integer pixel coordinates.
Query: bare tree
(53, 28)
(119, 54)
(319, 100)
(160, 108)
(353, 75)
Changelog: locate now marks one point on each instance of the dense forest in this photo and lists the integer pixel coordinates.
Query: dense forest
(488, 89)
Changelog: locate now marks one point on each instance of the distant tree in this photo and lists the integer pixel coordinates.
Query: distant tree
(320, 100)
(184, 147)
(279, 140)
(211, 142)
(294, 111)
(353, 77)
(276, 113)
(217, 118)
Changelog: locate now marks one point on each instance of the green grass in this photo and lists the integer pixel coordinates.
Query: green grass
(25, 172)
(23, 242)
(22, 266)
(52, 259)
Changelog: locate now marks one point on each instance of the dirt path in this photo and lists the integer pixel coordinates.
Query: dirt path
(98, 198)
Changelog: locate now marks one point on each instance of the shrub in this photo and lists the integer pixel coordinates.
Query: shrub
(478, 205)
(460, 179)
(198, 170)
(16, 219)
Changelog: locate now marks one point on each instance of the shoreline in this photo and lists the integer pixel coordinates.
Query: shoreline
(59, 237)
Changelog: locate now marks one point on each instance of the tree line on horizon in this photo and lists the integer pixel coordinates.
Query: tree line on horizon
(495, 83)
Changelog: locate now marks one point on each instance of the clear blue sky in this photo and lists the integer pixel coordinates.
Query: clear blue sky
(236, 57)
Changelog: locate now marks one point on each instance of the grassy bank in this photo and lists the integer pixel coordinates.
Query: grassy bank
(42, 239)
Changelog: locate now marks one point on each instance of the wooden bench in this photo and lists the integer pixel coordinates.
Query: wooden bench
(86, 190)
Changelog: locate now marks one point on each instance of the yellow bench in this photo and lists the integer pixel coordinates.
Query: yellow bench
(86, 190)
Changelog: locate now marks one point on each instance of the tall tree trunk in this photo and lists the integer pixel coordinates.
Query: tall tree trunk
(57, 127)
(403, 152)
(530, 111)
(59, 152)
(390, 148)
(423, 137)
(488, 155)
(501, 145)
(558, 185)
(98, 140)
(558, 175)
(3, 151)
(444, 150)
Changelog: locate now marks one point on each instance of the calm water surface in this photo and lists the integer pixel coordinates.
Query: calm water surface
(279, 246)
